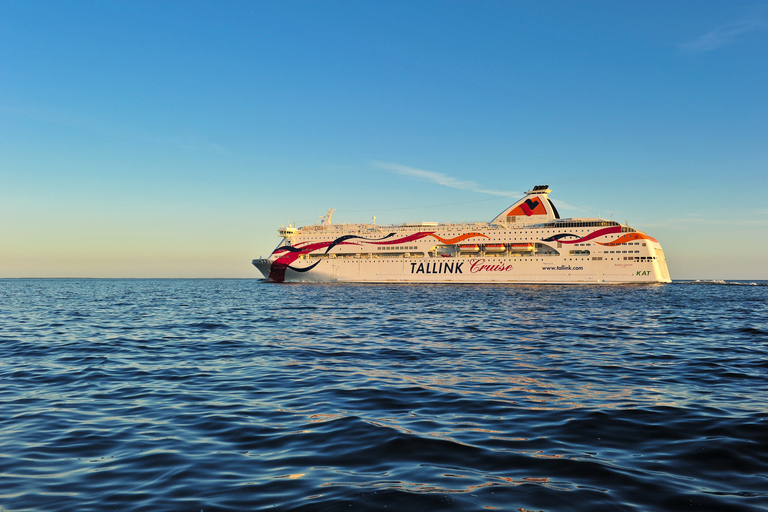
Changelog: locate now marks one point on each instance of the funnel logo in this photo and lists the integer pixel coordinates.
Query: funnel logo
(528, 207)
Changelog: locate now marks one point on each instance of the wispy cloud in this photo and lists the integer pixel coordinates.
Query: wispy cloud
(431, 176)
(504, 193)
(441, 179)
(724, 35)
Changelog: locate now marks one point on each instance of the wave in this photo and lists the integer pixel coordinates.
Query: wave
(723, 282)
(236, 395)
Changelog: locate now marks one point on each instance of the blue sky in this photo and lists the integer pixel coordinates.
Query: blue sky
(172, 139)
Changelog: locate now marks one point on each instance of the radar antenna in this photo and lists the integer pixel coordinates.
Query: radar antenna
(327, 218)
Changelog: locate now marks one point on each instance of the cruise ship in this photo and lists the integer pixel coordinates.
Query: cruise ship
(528, 242)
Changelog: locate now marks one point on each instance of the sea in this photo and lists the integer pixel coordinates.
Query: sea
(233, 395)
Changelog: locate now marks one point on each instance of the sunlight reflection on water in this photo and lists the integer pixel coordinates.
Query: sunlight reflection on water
(164, 395)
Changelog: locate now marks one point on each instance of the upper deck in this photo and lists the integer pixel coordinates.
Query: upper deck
(357, 228)
(535, 211)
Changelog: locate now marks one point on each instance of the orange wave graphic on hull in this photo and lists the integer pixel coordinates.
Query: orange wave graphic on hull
(460, 238)
(628, 238)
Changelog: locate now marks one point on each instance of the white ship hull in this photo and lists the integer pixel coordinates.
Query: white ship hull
(527, 243)
(474, 270)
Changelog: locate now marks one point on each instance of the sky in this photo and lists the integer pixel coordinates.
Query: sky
(173, 139)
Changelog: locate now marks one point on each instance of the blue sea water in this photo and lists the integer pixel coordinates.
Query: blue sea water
(232, 395)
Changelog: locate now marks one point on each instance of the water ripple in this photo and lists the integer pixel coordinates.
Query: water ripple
(242, 395)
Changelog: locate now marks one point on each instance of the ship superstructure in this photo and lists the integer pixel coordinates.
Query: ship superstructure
(528, 242)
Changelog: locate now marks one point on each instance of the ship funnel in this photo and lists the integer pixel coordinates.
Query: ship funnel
(534, 208)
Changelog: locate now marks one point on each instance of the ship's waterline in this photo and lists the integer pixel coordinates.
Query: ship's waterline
(528, 242)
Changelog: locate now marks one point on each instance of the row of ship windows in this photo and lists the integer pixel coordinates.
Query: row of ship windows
(524, 239)
(409, 248)
(594, 258)
(628, 243)
(585, 252)
(642, 259)
(386, 257)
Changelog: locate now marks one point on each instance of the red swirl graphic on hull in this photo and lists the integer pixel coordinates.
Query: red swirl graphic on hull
(422, 234)
(628, 238)
(283, 263)
(460, 238)
(595, 234)
(293, 253)
(600, 232)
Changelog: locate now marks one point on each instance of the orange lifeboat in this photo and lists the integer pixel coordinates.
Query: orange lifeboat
(520, 247)
(469, 248)
(494, 248)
